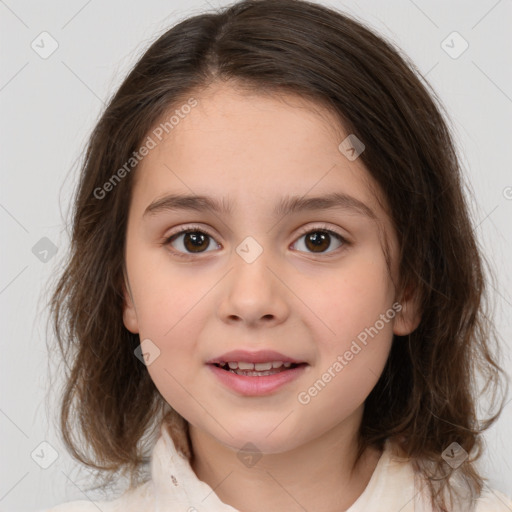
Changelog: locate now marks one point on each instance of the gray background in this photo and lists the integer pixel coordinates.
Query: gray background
(49, 106)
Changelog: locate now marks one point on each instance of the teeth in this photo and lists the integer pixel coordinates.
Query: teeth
(260, 367)
(254, 374)
(245, 366)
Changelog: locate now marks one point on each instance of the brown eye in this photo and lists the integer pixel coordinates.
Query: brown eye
(320, 240)
(190, 241)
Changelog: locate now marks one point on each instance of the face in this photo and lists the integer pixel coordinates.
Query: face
(311, 283)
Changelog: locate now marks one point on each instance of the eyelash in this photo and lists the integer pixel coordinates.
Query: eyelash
(305, 231)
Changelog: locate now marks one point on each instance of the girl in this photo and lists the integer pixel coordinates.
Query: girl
(274, 297)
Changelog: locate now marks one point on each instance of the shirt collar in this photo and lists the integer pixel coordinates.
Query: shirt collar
(176, 483)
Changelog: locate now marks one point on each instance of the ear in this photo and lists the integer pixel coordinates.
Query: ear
(129, 313)
(409, 316)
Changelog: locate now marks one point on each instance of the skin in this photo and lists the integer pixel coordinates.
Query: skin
(252, 150)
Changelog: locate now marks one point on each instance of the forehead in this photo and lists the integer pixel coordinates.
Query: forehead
(246, 146)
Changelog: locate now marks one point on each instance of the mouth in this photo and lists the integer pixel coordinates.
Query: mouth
(257, 369)
(256, 379)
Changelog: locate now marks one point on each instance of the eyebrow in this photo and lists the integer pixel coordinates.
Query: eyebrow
(287, 205)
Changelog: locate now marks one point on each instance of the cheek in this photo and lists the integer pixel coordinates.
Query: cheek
(354, 332)
(172, 324)
(171, 303)
(166, 294)
(348, 300)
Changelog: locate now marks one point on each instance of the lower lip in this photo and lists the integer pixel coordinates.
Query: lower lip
(256, 386)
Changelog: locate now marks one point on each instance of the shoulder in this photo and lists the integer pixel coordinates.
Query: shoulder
(400, 479)
(492, 500)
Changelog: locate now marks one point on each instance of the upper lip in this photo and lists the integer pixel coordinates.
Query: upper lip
(261, 356)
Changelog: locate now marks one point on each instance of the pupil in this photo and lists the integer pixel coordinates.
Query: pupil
(198, 240)
(318, 238)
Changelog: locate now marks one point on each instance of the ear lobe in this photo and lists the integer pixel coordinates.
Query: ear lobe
(409, 317)
(129, 313)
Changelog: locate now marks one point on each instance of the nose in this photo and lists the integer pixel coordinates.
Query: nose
(253, 295)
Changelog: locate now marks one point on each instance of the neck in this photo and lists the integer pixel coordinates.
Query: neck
(321, 475)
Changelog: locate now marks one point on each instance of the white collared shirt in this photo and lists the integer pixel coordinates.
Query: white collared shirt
(175, 487)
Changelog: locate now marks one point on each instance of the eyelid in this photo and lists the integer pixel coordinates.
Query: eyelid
(190, 227)
(323, 227)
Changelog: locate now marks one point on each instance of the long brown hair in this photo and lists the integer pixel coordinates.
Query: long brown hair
(426, 397)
